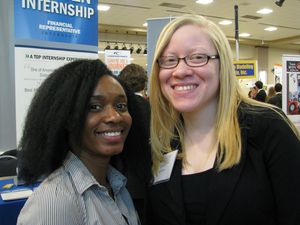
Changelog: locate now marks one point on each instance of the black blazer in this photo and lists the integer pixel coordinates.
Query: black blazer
(276, 100)
(261, 96)
(263, 189)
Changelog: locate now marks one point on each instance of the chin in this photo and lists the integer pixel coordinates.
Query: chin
(184, 109)
(114, 151)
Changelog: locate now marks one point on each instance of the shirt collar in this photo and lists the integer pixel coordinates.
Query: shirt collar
(83, 179)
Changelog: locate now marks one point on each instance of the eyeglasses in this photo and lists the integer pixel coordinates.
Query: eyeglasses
(194, 60)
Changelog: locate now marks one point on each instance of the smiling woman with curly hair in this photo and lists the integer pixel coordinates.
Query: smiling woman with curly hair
(79, 118)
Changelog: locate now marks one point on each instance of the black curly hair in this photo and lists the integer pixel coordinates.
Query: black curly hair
(59, 108)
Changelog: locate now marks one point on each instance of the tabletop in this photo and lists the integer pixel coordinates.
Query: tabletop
(9, 210)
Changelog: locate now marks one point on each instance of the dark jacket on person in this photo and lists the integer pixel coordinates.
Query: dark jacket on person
(261, 96)
(263, 189)
(276, 100)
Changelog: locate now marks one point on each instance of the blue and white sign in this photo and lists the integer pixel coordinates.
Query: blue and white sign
(67, 21)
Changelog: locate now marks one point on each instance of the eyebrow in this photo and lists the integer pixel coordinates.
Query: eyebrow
(101, 97)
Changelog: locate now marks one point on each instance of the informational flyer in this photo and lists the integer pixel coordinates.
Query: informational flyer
(116, 60)
(33, 67)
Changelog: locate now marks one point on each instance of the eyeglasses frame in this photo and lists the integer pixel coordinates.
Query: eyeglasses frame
(186, 62)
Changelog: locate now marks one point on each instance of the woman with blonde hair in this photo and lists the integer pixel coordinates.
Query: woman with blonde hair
(271, 93)
(219, 157)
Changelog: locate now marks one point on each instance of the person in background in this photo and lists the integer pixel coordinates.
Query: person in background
(261, 93)
(252, 93)
(135, 76)
(137, 165)
(277, 99)
(77, 121)
(219, 157)
(271, 93)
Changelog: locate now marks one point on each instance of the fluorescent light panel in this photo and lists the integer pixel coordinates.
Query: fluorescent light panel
(102, 7)
(244, 35)
(225, 22)
(264, 11)
(270, 29)
(204, 2)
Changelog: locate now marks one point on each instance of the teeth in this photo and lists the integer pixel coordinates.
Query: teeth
(111, 134)
(184, 88)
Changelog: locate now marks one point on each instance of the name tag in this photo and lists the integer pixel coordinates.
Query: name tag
(165, 168)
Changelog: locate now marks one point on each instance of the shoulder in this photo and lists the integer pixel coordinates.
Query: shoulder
(268, 133)
(260, 120)
(55, 201)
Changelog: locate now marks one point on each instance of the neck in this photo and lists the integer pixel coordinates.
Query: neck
(200, 122)
(200, 139)
(95, 164)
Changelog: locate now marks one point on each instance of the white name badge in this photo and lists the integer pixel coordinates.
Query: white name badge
(165, 168)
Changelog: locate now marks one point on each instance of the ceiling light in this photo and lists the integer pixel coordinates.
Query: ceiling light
(145, 24)
(264, 11)
(204, 2)
(279, 2)
(103, 7)
(225, 22)
(245, 35)
(270, 29)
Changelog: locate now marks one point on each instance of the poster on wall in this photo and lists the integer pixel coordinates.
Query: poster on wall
(245, 69)
(291, 87)
(49, 34)
(35, 65)
(277, 71)
(68, 21)
(116, 60)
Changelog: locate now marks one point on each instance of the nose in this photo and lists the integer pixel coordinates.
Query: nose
(112, 115)
(182, 70)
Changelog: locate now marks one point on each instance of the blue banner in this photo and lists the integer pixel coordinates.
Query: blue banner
(67, 21)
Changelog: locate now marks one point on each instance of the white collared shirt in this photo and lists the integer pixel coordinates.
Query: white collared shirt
(72, 196)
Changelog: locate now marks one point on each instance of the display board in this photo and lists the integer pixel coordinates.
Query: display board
(291, 87)
(49, 34)
(116, 60)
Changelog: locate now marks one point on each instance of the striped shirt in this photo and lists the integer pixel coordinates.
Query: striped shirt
(72, 196)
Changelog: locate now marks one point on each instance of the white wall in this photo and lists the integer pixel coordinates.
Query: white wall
(7, 77)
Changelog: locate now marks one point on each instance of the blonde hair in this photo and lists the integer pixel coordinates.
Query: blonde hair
(166, 122)
(271, 92)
